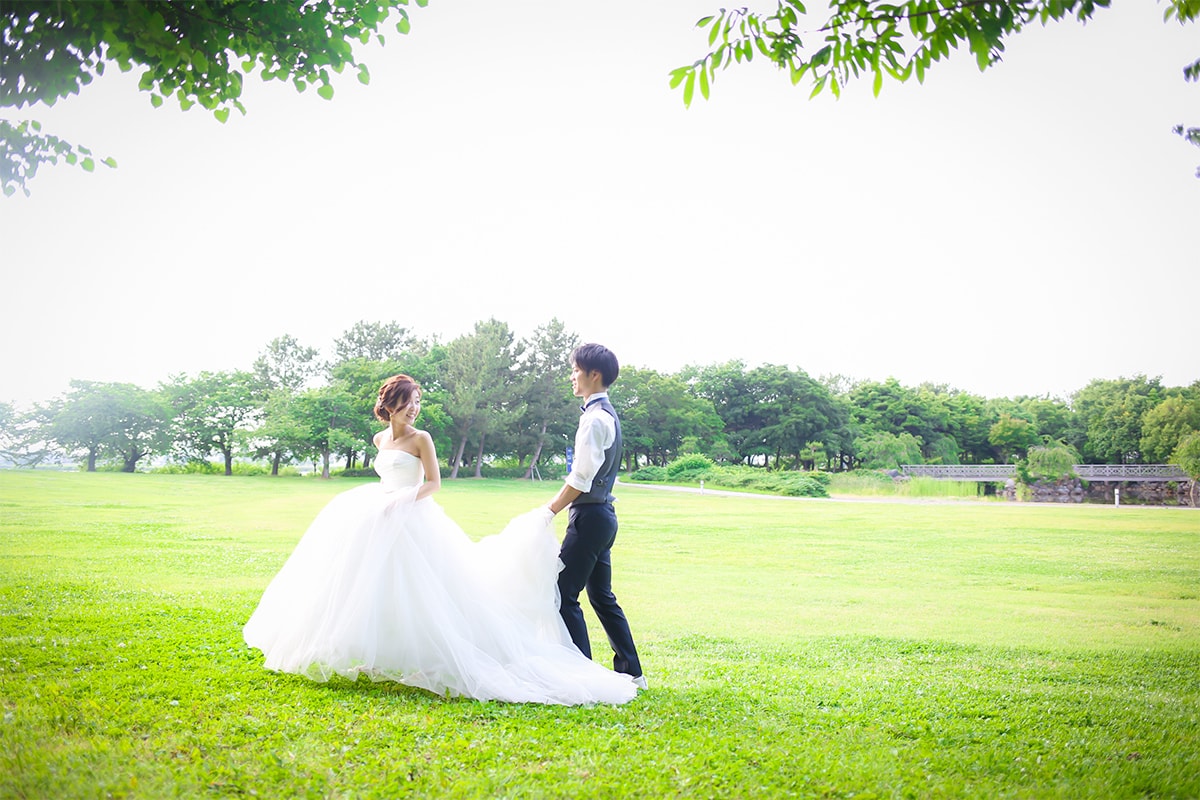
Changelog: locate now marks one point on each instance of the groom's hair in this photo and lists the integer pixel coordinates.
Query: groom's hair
(396, 393)
(590, 357)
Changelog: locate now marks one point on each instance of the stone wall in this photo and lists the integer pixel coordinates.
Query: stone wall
(1152, 493)
(1067, 490)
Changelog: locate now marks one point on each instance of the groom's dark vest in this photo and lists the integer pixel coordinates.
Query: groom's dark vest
(606, 477)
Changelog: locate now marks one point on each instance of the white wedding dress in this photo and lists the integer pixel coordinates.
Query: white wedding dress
(391, 588)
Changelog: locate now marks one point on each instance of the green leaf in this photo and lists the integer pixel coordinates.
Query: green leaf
(689, 88)
(820, 84)
(704, 83)
(677, 76)
(404, 26)
(878, 82)
(88, 165)
(222, 115)
(325, 91)
(156, 101)
(110, 162)
(364, 76)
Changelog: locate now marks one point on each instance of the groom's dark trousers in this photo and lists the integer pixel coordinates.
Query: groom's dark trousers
(586, 555)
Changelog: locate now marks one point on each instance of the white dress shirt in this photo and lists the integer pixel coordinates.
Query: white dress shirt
(596, 433)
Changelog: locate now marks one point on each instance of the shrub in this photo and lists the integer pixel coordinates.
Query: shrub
(650, 473)
(196, 467)
(802, 485)
(792, 484)
(1052, 462)
(823, 478)
(369, 472)
(689, 467)
(191, 468)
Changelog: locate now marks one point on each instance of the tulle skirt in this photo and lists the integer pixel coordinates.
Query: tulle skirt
(393, 589)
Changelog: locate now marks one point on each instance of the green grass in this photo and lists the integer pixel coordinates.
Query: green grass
(809, 648)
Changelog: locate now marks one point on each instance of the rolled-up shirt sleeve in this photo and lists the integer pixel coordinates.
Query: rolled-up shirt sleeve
(596, 433)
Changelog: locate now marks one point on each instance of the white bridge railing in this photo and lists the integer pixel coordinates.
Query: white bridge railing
(1088, 472)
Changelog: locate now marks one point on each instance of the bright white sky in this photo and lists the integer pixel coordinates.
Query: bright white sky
(1019, 231)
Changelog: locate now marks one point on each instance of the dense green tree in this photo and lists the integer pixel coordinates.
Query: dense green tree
(79, 422)
(377, 341)
(886, 450)
(21, 441)
(861, 39)
(100, 419)
(196, 51)
(551, 411)
(811, 454)
(737, 402)
(286, 365)
(658, 413)
(839, 444)
(214, 412)
(143, 425)
(9, 435)
(281, 370)
(1165, 426)
(1050, 416)
(796, 411)
(1187, 457)
(969, 421)
(636, 428)
(483, 387)
(1013, 436)
(281, 437)
(889, 407)
(329, 421)
(1107, 428)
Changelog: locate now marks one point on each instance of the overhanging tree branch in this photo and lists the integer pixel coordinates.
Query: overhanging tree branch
(193, 50)
(875, 38)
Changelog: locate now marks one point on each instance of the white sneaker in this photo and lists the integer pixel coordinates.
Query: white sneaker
(640, 682)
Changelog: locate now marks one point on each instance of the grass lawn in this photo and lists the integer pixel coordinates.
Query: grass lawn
(807, 648)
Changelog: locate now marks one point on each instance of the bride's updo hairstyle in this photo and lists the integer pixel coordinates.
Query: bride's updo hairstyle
(396, 393)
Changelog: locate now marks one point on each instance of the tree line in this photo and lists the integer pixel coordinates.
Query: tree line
(492, 398)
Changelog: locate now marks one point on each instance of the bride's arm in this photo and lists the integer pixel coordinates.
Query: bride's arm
(433, 473)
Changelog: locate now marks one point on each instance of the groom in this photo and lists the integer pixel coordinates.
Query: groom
(592, 521)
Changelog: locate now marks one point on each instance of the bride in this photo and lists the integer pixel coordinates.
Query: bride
(384, 584)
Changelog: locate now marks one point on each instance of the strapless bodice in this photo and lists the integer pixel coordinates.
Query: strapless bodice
(398, 469)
